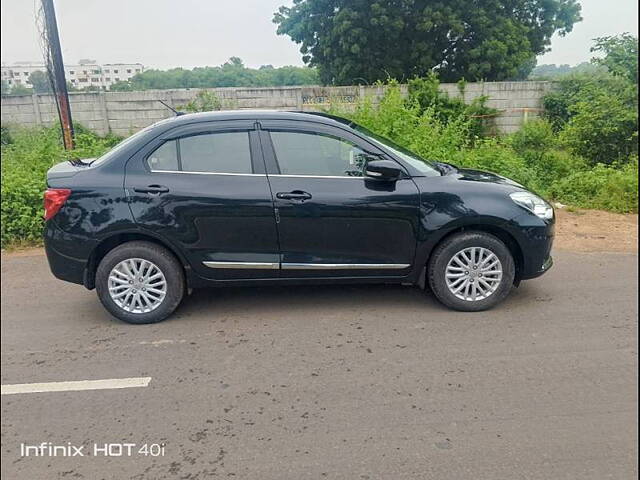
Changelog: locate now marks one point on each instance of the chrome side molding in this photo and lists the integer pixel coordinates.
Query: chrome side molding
(184, 172)
(245, 265)
(344, 266)
(306, 266)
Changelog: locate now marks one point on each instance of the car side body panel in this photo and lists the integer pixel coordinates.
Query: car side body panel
(96, 210)
(214, 218)
(347, 224)
(479, 200)
(223, 223)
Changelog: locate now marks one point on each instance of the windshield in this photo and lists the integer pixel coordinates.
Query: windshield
(423, 165)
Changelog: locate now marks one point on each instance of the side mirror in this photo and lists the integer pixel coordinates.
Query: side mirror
(383, 170)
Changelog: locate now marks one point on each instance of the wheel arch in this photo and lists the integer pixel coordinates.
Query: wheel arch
(501, 233)
(117, 239)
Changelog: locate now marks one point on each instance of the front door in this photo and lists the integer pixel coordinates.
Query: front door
(203, 187)
(332, 221)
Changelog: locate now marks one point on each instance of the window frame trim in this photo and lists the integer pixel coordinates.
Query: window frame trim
(147, 156)
(192, 130)
(304, 127)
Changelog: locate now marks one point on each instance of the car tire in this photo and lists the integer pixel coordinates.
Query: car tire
(158, 276)
(486, 281)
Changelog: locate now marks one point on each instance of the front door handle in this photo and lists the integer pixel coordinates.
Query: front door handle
(152, 189)
(295, 195)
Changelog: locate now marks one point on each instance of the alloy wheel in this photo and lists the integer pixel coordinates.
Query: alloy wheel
(473, 274)
(137, 285)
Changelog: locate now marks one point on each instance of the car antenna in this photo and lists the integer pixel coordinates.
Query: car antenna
(178, 113)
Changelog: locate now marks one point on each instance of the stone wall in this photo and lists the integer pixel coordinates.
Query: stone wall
(123, 113)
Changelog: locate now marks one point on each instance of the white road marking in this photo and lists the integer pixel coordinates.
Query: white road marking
(155, 343)
(75, 386)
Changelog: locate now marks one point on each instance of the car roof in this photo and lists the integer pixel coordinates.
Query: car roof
(258, 115)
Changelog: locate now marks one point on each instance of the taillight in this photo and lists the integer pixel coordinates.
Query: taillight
(54, 198)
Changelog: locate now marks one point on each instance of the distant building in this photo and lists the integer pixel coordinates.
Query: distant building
(80, 76)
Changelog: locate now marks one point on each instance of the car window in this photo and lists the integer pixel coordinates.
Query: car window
(165, 157)
(301, 153)
(224, 152)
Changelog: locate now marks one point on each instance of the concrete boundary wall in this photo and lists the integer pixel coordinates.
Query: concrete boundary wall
(123, 113)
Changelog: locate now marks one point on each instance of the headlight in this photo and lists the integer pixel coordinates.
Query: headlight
(533, 203)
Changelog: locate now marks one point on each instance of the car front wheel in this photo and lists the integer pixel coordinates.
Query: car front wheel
(140, 282)
(471, 271)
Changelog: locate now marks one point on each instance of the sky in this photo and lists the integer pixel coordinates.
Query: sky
(187, 33)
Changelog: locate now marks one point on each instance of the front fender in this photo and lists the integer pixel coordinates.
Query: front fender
(449, 205)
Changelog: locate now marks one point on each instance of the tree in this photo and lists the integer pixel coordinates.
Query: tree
(121, 86)
(40, 82)
(231, 74)
(553, 71)
(620, 55)
(19, 89)
(374, 40)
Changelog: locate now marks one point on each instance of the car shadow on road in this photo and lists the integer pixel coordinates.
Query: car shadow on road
(311, 297)
(330, 299)
(275, 302)
(316, 301)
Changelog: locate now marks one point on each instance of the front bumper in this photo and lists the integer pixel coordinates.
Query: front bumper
(535, 238)
(546, 265)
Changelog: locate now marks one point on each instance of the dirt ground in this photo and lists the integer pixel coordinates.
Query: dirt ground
(576, 231)
(596, 231)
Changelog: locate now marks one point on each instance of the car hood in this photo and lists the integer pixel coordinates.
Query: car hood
(472, 175)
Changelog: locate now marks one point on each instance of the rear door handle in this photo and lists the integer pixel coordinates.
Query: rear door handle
(152, 189)
(295, 195)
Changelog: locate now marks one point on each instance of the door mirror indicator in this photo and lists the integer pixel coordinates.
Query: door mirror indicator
(383, 170)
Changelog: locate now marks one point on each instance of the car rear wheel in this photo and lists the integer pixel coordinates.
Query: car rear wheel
(471, 271)
(140, 282)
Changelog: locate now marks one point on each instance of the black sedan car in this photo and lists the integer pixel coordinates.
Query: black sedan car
(255, 198)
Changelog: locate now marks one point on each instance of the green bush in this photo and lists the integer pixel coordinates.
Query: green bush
(25, 162)
(493, 155)
(596, 113)
(539, 147)
(535, 156)
(205, 101)
(534, 138)
(5, 135)
(427, 94)
(603, 129)
(604, 187)
(404, 121)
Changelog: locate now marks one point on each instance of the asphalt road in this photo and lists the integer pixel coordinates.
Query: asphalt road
(336, 382)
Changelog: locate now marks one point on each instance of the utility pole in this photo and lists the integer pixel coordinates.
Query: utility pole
(59, 80)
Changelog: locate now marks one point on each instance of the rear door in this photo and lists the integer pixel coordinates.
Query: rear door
(203, 188)
(332, 221)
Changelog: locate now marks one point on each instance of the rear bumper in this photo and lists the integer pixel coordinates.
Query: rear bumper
(63, 250)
